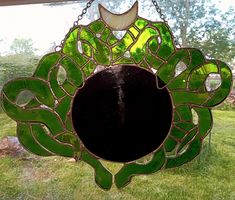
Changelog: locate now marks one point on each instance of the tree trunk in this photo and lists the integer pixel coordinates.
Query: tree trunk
(183, 34)
(184, 25)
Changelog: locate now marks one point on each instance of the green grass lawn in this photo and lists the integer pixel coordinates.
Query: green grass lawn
(210, 176)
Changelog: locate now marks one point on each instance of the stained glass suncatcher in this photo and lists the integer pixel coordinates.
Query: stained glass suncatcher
(137, 106)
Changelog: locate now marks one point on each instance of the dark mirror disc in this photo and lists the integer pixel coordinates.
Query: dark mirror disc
(120, 115)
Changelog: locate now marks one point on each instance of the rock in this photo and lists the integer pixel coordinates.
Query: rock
(10, 145)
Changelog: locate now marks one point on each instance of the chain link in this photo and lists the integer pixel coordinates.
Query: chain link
(79, 18)
(159, 10)
(163, 18)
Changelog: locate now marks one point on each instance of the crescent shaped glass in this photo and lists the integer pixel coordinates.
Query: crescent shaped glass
(136, 106)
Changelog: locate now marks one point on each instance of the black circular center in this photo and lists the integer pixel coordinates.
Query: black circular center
(121, 115)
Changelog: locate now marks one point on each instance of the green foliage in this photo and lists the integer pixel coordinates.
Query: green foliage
(16, 65)
(217, 37)
(202, 25)
(21, 46)
(20, 62)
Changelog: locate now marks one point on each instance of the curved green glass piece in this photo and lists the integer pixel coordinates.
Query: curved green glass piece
(44, 125)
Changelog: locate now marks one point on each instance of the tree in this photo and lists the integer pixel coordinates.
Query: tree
(22, 46)
(52, 47)
(21, 62)
(17, 65)
(202, 25)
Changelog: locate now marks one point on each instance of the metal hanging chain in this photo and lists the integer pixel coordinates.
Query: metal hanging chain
(84, 11)
(159, 10)
(163, 18)
(79, 18)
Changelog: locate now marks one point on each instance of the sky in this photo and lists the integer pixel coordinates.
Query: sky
(45, 24)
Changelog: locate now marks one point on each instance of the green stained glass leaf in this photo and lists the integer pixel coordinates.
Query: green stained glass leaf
(33, 103)
(222, 92)
(41, 115)
(134, 31)
(89, 68)
(123, 177)
(69, 87)
(176, 117)
(63, 107)
(189, 97)
(105, 35)
(170, 144)
(57, 90)
(121, 47)
(87, 49)
(198, 77)
(153, 45)
(192, 151)
(45, 65)
(187, 139)
(138, 50)
(101, 51)
(49, 143)
(24, 134)
(69, 123)
(141, 23)
(153, 61)
(70, 138)
(74, 74)
(177, 133)
(97, 26)
(184, 113)
(102, 177)
(112, 39)
(124, 61)
(205, 120)
(144, 64)
(38, 87)
(167, 45)
(167, 71)
(187, 126)
(71, 48)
